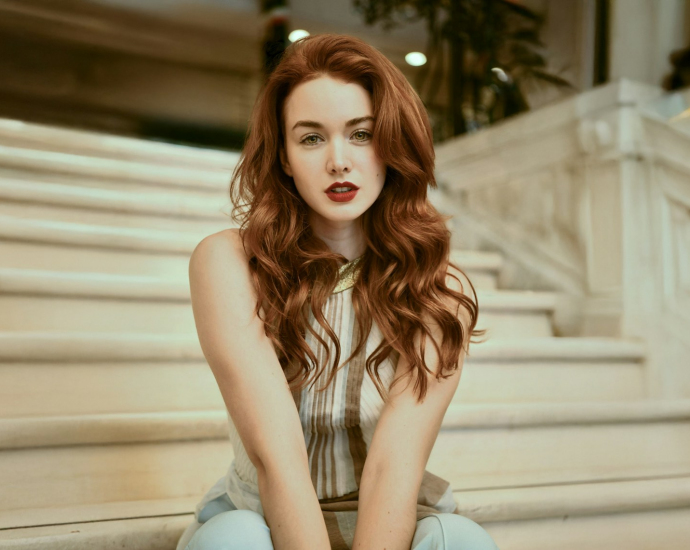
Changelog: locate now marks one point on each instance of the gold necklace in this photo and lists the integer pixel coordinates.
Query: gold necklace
(347, 273)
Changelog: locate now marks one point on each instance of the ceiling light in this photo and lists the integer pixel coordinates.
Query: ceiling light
(295, 35)
(415, 59)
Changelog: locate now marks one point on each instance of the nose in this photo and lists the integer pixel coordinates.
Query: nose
(338, 158)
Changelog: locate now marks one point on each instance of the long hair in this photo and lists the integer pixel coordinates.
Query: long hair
(403, 272)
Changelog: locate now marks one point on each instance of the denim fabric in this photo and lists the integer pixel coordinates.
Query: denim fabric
(451, 532)
(223, 527)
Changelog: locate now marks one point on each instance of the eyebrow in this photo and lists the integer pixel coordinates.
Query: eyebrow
(314, 124)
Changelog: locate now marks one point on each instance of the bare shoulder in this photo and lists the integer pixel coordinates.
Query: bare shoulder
(227, 238)
(219, 268)
(219, 250)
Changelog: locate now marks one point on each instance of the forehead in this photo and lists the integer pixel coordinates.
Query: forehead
(327, 100)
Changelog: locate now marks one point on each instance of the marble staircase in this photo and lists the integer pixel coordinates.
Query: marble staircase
(112, 426)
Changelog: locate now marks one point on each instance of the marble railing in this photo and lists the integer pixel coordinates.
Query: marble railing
(590, 196)
(666, 205)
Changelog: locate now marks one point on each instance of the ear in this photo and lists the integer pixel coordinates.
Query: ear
(284, 162)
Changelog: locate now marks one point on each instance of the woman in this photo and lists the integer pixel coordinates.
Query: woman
(338, 246)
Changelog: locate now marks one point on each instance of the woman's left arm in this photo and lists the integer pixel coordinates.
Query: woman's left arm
(400, 448)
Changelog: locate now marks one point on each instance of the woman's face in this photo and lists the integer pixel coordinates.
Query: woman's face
(325, 144)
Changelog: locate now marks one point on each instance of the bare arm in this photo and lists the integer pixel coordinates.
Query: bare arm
(402, 442)
(255, 390)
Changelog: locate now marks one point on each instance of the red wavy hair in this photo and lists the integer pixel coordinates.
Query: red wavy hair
(402, 274)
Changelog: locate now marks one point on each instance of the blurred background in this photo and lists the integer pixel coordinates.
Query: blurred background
(562, 134)
(188, 71)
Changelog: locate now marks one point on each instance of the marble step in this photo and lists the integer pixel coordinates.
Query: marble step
(74, 374)
(31, 198)
(161, 241)
(78, 169)
(49, 313)
(74, 234)
(16, 133)
(74, 247)
(124, 457)
(46, 225)
(95, 284)
(50, 300)
(137, 221)
(100, 224)
(636, 514)
(90, 346)
(648, 513)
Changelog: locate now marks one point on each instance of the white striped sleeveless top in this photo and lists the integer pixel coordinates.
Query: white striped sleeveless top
(338, 423)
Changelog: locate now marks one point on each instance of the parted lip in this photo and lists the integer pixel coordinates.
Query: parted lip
(341, 184)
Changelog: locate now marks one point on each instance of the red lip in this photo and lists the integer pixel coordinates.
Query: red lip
(341, 184)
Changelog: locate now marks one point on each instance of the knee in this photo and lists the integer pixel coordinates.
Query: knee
(461, 533)
(233, 530)
(451, 532)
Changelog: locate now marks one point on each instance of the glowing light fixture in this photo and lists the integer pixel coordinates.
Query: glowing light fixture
(500, 74)
(415, 59)
(295, 35)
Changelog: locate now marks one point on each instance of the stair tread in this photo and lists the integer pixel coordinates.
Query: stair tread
(88, 346)
(127, 201)
(159, 240)
(75, 283)
(71, 164)
(589, 498)
(79, 234)
(480, 505)
(47, 521)
(96, 429)
(478, 259)
(43, 137)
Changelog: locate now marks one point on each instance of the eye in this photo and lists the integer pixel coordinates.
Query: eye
(304, 140)
(309, 142)
(365, 132)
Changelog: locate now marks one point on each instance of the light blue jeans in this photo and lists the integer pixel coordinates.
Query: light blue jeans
(227, 529)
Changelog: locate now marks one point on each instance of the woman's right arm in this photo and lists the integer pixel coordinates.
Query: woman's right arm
(255, 390)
